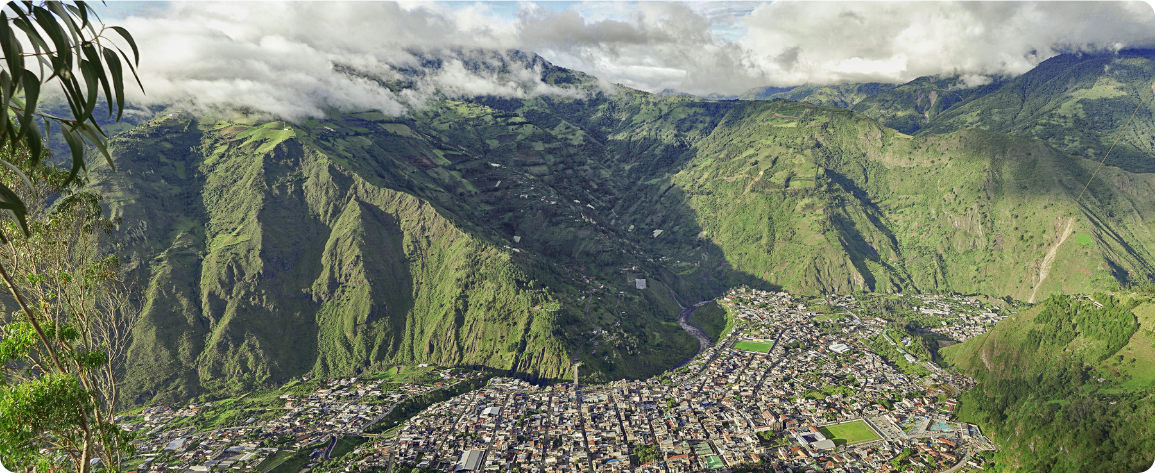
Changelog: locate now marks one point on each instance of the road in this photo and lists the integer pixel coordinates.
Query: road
(361, 431)
(770, 353)
(582, 426)
(649, 422)
(332, 443)
(496, 426)
(546, 425)
(618, 417)
(961, 463)
(365, 427)
(437, 444)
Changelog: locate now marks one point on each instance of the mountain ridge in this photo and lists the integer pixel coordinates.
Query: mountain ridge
(1077, 102)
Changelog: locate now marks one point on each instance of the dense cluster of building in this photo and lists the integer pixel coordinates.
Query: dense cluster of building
(167, 442)
(786, 388)
(783, 390)
(962, 317)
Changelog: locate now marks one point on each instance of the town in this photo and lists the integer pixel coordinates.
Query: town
(795, 385)
(304, 419)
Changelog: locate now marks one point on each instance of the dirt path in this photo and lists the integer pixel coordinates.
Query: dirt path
(751, 184)
(1049, 258)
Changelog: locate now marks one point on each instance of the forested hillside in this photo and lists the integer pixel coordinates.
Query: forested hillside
(1077, 103)
(1066, 386)
(265, 260)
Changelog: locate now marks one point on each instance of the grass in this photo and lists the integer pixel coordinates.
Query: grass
(295, 462)
(405, 374)
(828, 316)
(346, 445)
(850, 433)
(712, 319)
(753, 346)
(274, 461)
(1137, 357)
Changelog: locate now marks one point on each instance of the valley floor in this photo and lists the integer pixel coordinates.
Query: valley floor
(795, 383)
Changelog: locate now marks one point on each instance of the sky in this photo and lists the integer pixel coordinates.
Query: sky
(280, 57)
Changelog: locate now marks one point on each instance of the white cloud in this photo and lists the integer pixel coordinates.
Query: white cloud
(970, 81)
(280, 57)
(901, 41)
(285, 58)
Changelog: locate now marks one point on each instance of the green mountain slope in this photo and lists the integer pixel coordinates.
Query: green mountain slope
(913, 106)
(822, 200)
(1077, 103)
(512, 233)
(841, 95)
(265, 260)
(1066, 386)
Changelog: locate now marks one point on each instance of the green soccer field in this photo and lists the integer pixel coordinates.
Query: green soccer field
(753, 346)
(850, 433)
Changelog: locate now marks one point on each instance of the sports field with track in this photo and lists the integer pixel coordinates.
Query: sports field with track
(850, 433)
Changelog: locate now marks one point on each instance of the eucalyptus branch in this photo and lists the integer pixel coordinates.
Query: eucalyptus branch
(95, 40)
(31, 319)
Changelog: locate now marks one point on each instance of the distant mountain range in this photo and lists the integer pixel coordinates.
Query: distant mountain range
(510, 233)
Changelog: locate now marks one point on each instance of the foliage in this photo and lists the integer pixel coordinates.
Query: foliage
(81, 59)
(60, 352)
(1054, 395)
(646, 453)
(712, 319)
(342, 455)
(1113, 324)
(59, 395)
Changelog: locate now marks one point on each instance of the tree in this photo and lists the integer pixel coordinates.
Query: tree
(645, 453)
(61, 399)
(58, 351)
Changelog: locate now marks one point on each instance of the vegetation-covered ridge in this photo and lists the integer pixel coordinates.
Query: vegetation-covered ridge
(816, 200)
(1066, 386)
(523, 234)
(265, 259)
(1077, 103)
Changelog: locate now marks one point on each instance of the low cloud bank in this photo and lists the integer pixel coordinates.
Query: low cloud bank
(292, 59)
